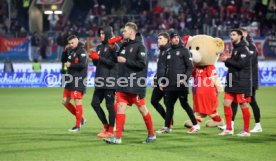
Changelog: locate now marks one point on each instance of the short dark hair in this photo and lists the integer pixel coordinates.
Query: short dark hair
(243, 29)
(164, 34)
(132, 25)
(71, 37)
(238, 31)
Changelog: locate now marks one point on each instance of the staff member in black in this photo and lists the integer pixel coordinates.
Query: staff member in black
(164, 46)
(106, 69)
(75, 85)
(179, 69)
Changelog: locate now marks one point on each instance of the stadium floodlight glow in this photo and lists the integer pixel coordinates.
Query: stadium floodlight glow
(47, 12)
(57, 12)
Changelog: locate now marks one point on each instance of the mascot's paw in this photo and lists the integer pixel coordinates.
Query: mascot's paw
(220, 89)
(212, 123)
(188, 124)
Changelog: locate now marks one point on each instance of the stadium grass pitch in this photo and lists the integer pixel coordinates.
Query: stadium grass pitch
(34, 127)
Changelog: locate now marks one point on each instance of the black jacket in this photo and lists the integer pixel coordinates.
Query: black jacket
(239, 70)
(161, 63)
(179, 63)
(254, 62)
(78, 69)
(136, 64)
(106, 66)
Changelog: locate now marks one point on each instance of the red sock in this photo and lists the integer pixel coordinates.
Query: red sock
(110, 129)
(228, 117)
(246, 118)
(217, 118)
(115, 107)
(78, 115)
(106, 127)
(148, 122)
(120, 121)
(71, 108)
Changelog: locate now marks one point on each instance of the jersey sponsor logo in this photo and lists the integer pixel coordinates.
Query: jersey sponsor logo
(99, 52)
(83, 55)
(169, 57)
(123, 52)
(143, 54)
(130, 50)
(105, 49)
(243, 55)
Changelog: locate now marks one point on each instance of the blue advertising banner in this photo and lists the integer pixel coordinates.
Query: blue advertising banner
(51, 77)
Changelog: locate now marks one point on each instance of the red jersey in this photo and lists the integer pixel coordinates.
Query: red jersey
(205, 96)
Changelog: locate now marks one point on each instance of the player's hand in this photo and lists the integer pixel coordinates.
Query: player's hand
(225, 55)
(68, 64)
(182, 82)
(121, 59)
(94, 55)
(220, 89)
(112, 46)
(161, 87)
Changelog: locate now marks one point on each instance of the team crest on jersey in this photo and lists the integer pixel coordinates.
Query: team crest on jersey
(235, 53)
(177, 53)
(130, 50)
(143, 54)
(69, 57)
(105, 49)
(123, 52)
(243, 55)
(74, 55)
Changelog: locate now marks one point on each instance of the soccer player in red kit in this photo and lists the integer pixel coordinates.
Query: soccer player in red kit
(239, 82)
(75, 86)
(131, 82)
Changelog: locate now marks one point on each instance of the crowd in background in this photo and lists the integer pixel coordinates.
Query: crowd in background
(212, 17)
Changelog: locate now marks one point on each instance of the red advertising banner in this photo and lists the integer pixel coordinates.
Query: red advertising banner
(8, 44)
(259, 45)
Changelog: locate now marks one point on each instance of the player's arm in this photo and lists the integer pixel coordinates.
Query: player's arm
(81, 64)
(214, 77)
(141, 59)
(239, 63)
(111, 60)
(188, 62)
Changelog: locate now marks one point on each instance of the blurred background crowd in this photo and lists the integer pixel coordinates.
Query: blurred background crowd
(211, 17)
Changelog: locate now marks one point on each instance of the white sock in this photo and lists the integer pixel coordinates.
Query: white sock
(232, 123)
(258, 124)
(197, 126)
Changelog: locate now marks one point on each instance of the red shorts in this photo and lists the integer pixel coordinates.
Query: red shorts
(237, 97)
(72, 94)
(130, 99)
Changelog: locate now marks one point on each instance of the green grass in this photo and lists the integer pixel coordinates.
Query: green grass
(34, 124)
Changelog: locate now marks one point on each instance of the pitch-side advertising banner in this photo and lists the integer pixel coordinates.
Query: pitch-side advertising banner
(23, 75)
